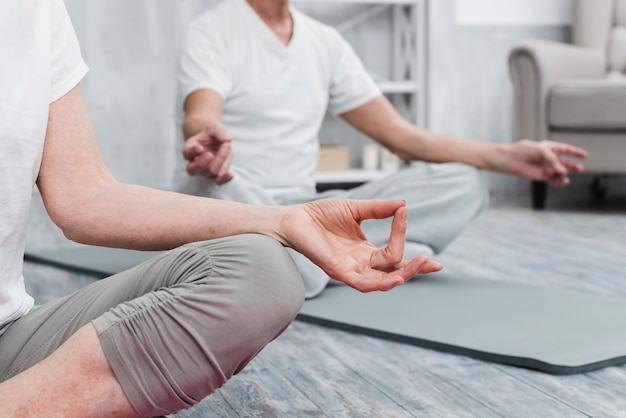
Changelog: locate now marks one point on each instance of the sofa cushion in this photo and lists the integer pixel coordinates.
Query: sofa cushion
(587, 104)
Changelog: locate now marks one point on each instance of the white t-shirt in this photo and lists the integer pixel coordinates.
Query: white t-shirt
(40, 61)
(275, 96)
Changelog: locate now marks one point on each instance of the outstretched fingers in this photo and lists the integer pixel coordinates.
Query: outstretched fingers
(572, 166)
(199, 163)
(560, 163)
(388, 269)
(411, 268)
(376, 280)
(219, 167)
(554, 166)
(566, 149)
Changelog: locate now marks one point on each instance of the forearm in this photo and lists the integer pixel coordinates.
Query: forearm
(380, 121)
(136, 217)
(203, 108)
(416, 144)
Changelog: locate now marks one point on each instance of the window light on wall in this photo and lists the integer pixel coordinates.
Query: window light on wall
(514, 12)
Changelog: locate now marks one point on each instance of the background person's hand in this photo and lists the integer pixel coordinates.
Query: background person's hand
(328, 232)
(209, 153)
(547, 161)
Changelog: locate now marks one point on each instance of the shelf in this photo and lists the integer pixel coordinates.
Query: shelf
(349, 176)
(398, 86)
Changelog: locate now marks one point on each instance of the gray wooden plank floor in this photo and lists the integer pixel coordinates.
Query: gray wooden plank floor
(312, 371)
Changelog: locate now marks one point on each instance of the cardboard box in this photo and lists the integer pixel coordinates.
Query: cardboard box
(333, 157)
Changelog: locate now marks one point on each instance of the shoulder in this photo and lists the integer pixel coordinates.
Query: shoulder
(324, 35)
(218, 19)
(314, 26)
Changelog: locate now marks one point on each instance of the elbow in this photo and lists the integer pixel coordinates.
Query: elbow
(64, 215)
(402, 154)
(74, 231)
(73, 236)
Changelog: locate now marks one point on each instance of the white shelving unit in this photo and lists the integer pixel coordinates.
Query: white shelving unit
(405, 86)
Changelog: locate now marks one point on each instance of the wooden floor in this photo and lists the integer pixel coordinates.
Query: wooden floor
(311, 371)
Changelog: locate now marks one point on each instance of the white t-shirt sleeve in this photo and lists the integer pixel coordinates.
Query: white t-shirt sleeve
(351, 85)
(67, 65)
(203, 62)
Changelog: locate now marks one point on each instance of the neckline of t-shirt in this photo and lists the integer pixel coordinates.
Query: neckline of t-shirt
(267, 32)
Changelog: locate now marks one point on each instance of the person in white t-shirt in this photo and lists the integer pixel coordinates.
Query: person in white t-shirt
(255, 79)
(160, 337)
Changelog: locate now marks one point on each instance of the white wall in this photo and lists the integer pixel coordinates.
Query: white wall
(131, 49)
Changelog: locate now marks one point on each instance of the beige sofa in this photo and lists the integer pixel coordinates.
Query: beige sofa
(576, 93)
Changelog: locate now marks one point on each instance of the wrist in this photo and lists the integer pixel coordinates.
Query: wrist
(276, 223)
(193, 125)
(496, 158)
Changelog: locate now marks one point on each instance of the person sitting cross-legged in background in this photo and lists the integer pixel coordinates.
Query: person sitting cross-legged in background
(159, 337)
(255, 79)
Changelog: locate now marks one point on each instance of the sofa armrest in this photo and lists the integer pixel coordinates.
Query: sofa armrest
(534, 66)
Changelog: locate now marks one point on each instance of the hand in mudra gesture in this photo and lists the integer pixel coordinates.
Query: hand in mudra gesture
(328, 232)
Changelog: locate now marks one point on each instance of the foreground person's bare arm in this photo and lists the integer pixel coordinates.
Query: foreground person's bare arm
(92, 207)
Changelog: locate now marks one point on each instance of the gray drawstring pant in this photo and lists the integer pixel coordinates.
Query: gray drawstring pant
(175, 328)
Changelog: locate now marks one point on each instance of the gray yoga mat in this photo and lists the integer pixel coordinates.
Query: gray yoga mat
(97, 261)
(556, 331)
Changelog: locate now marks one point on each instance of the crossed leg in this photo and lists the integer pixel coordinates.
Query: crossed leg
(155, 339)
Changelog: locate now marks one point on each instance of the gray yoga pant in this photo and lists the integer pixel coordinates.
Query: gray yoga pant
(441, 198)
(176, 327)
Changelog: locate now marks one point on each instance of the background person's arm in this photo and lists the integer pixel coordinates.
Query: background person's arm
(203, 108)
(542, 160)
(207, 146)
(92, 207)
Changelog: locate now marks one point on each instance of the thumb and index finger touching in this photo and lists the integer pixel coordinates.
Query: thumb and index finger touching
(390, 259)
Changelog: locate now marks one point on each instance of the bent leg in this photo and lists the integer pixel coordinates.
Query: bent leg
(181, 324)
(173, 347)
